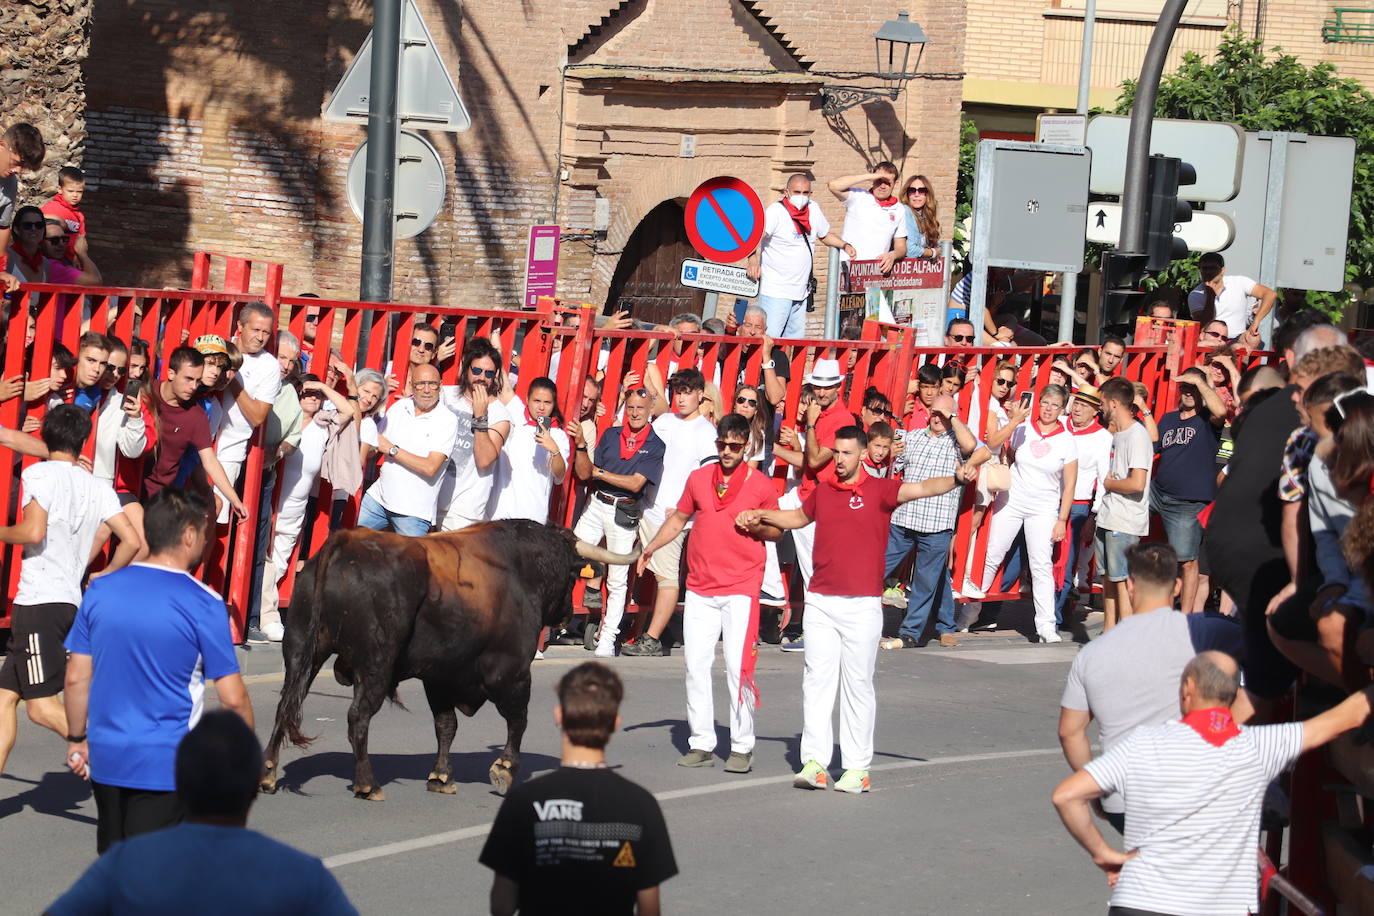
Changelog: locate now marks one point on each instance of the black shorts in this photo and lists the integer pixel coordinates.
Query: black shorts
(36, 664)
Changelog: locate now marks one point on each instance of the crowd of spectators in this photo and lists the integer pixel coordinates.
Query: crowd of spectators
(1254, 487)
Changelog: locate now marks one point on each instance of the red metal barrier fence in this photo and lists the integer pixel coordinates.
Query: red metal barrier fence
(556, 335)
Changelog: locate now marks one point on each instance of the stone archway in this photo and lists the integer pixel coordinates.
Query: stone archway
(646, 278)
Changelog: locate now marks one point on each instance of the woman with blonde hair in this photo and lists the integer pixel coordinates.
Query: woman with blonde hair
(922, 218)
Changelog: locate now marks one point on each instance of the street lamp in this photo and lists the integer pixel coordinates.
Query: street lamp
(894, 67)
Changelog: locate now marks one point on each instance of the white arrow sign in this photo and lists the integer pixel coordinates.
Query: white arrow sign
(1204, 232)
(426, 98)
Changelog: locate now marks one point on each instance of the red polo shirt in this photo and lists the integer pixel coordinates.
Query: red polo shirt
(832, 420)
(851, 535)
(722, 560)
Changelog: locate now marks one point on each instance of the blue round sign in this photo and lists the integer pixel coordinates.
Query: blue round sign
(724, 220)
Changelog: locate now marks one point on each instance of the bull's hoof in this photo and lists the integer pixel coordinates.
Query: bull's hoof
(342, 675)
(443, 786)
(369, 795)
(501, 777)
(268, 783)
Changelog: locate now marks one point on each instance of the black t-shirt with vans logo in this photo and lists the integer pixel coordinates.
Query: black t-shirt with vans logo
(580, 841)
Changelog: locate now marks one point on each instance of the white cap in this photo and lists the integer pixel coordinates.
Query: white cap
(824, 373)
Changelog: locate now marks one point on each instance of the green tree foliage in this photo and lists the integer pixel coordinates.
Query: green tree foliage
(1260, 92)
(963, 208)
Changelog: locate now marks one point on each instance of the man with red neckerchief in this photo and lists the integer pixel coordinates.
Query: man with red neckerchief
(628, 463)
(724, 575)
(844, 618)
(1193, 791)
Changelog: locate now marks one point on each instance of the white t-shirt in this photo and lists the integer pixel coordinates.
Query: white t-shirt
(1128, 514)
(523, 477)
(261, 379)
(689, 445)
(302, 466)
(468, 488)
(871, 227)
(399, 489)
(1193, 812)
(1037, 473)
(1233, 305)
(367, 431)
(785, 260)
(76, 504)
(1094, 451)
(995, 409)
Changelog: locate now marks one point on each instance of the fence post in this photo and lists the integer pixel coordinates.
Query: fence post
(583, 359)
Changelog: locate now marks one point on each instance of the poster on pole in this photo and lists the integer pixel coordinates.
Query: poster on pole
(912, 294)
(541, 264)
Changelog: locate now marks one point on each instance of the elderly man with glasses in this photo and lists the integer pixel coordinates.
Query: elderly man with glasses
(415, 438)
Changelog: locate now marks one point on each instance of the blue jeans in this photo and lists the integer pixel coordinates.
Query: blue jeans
(1078, 517)
(930, 589)
(786, 317)
(371, 514)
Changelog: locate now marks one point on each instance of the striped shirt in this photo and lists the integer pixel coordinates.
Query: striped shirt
(1193, 813)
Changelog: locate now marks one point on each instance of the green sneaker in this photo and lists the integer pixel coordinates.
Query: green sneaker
(854, 782)
(696, 758)
(812, 776)
(894, 596)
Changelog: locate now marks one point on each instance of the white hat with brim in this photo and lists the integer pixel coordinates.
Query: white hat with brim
(824, 373)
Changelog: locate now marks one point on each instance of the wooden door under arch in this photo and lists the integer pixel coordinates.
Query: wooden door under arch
(646, 278)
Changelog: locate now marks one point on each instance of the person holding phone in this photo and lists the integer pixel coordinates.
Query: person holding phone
(124, 430)
(535, 458)
(1044, 472)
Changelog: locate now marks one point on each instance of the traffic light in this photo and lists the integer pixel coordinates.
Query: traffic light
(1164, 211)
(1121, 292)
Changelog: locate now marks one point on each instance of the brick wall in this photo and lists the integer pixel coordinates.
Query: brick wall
(205, 129)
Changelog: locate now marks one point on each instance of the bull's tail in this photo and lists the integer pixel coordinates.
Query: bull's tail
(299, 647)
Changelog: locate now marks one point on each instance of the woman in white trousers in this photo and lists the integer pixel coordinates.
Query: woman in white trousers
(1044, 469)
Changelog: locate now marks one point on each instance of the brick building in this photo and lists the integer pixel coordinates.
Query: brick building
(1022, 57)
(204, 132)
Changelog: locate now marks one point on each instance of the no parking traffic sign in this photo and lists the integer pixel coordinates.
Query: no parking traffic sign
(724, 220)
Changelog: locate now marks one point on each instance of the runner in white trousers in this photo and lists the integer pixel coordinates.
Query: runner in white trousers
(843, 621)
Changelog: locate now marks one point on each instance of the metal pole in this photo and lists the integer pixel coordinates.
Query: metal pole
(1068, 287)
(982, 236)
(1273, 219)
(378, 203)
(832, 296)
(1142, 116)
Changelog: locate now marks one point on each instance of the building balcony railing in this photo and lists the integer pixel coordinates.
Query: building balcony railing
(1352, 25)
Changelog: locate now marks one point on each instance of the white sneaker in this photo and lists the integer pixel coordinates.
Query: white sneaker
(273, 630)
(604, 650)
(539, 655)
(970, 590)
(1051, 637)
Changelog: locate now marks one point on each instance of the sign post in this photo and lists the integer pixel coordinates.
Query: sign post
(541, 264)
(379, 192)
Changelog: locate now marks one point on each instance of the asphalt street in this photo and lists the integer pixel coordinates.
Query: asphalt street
(959, 819)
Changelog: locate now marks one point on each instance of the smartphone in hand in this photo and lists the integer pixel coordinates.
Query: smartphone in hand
(1025, 399)
(132, 389)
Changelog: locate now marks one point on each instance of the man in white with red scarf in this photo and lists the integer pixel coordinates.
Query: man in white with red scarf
(1193, 791)
(844, 615)
(784, 263)
(874, 219)
(724, 574)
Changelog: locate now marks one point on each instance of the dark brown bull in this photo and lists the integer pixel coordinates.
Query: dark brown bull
(461, 611)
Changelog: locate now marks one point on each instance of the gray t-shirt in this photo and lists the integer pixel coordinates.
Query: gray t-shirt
(1128, 514)
(1128, 677)
(9, 197)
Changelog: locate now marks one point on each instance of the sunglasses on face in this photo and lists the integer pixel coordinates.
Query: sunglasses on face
(482, 373)
(422, 344)
(733, 447)
(314, 319)
(1210, 334)
(425, 384)
(961, 338)
(1003, 381)
(750, 401)
(117, 370)
(30, 225)
(918, 190)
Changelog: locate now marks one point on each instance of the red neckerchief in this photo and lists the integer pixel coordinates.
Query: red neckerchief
(1215, 725)
(800, 216)
(875, 470)
(630, 444)
(854, 484)
(529, 419)
(35, 263)
(886, 202)
(726, 493)
(1088, 430)
(1058, 428)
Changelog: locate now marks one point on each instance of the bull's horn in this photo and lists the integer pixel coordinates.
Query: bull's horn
(602, 555)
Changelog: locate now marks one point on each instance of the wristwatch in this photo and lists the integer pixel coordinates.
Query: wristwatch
(393, 451)
(76, 739)
(769, 364)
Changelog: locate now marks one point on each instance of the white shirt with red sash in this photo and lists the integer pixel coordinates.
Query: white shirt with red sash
(1194, 789)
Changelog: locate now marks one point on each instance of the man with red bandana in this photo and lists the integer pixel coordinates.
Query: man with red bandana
(874, 219)
(1193, 791)
(844, 618)
(724, 574)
